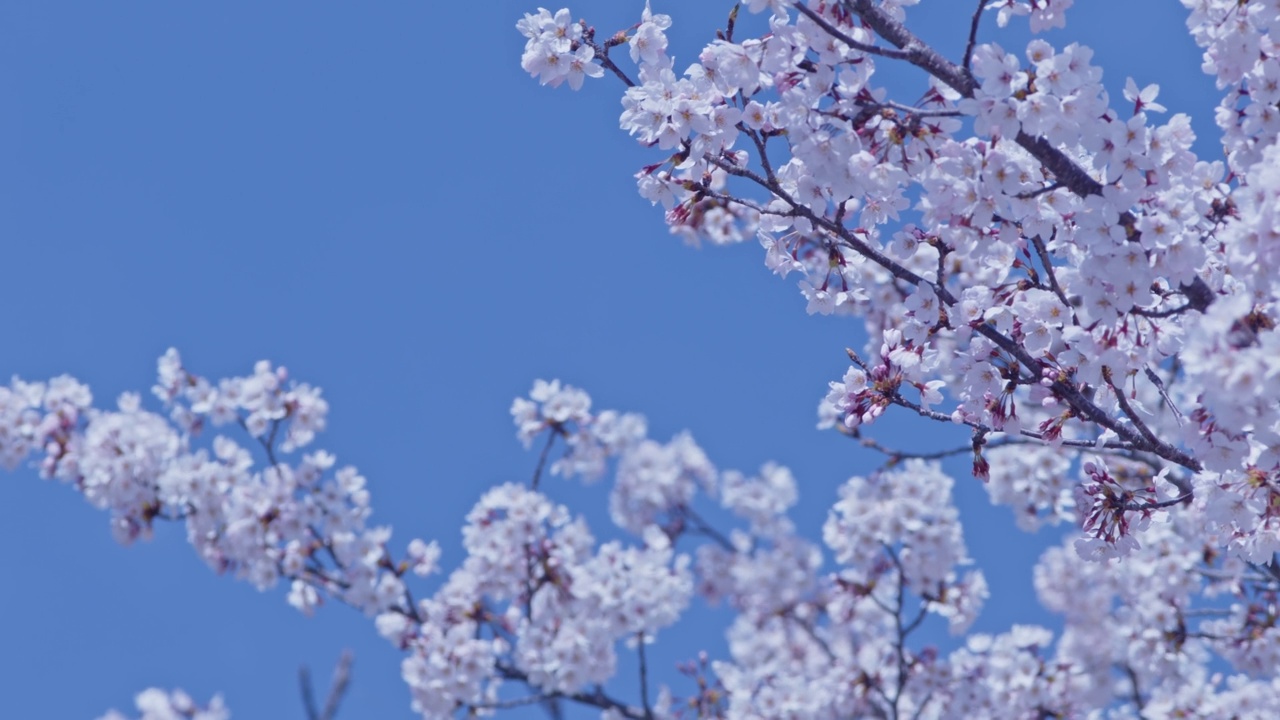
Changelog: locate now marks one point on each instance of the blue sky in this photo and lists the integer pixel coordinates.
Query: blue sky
(379, 199)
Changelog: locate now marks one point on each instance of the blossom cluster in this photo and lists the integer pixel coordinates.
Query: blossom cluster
(1056, 272)
(298, 520)
(1074, 273)
(156, 704)
(555, 51)
(537, 602)
(1048, 267)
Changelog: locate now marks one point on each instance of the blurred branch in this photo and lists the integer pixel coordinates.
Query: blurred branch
(337, 689)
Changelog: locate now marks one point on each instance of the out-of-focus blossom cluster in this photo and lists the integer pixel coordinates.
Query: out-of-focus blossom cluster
(1043, 14)
(156, 704)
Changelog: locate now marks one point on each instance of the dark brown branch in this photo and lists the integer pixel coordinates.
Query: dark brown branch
(597, 699)
(1066, 172)
(900, 644)
(1042, 252)
(898, 455)
(913, 49)
(509, 704)
(810, 631)
(644, 677)
(602, 52)
(268, 444)
(1169, 312)
(843, 37)
(827, 224)
(1135, 692)
(1063, 390)
(733, 20)
(1064, 169)
(973, 33)
(1036, 193)
(986, 429)
(542, 459)
(760, 143)
(704, 528)
(1155, 380)
(1127, 408)
(874, 106)
(1146, 506)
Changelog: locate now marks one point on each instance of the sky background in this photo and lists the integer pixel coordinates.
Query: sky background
(378, 198)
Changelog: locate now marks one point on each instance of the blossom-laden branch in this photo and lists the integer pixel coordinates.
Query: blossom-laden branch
(1029, 312)
(1036, 316)
(537, 603)
(1042, 327)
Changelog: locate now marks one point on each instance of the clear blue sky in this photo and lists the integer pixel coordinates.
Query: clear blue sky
(378, 198)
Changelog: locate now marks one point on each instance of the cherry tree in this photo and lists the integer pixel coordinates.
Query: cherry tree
(1058, 274)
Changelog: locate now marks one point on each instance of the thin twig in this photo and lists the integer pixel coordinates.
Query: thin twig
(897, 455)
(986, 429)
(812, 633)
(602, 52)
(973, 33)
(1143, 507)
(1126, 408)
(267, 445)
(1167, 312)
(1155, 380)
(542, 460)
(705, 528)
(1039, 191)
(1043, 253)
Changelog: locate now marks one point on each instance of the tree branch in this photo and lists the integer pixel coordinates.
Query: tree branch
(602, 52)
(644, 677)
(973, 33)
(844, 38)
(337, 688)
(542, 459)
(960, 79)
(597, 699)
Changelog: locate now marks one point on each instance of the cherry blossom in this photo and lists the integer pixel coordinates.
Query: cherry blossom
(1085, 292)
(1058, 275)
(156, 704)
